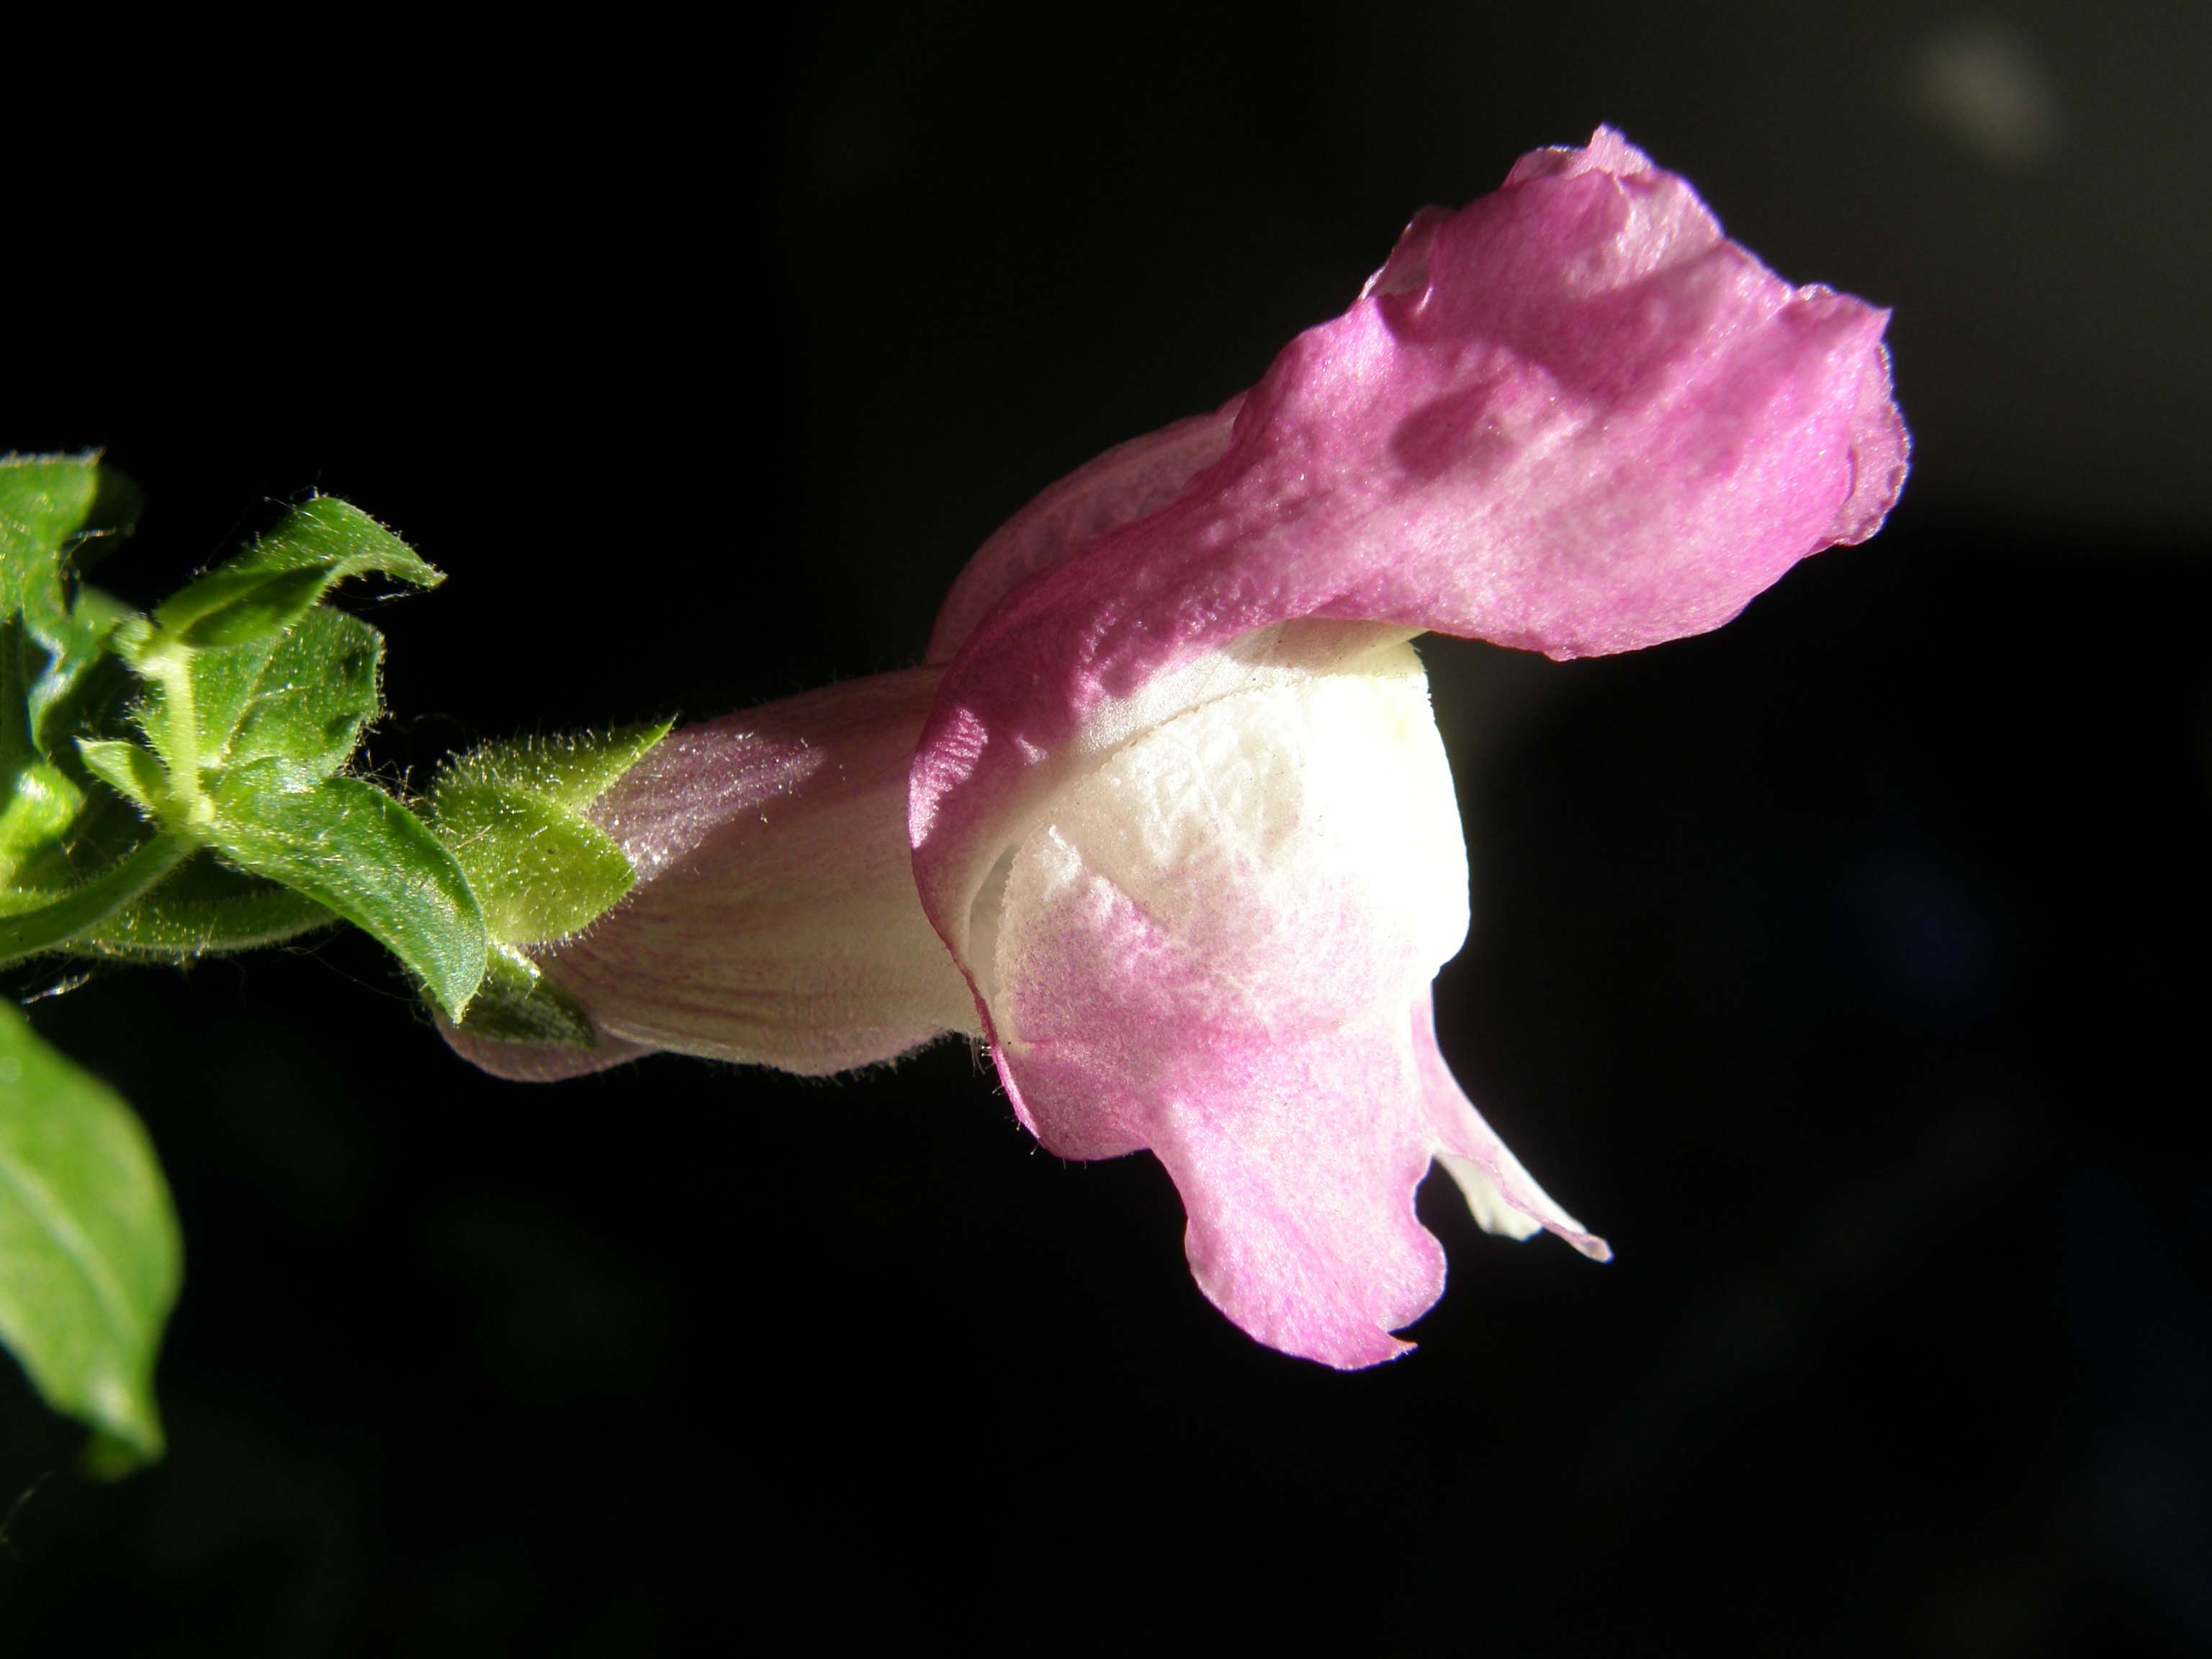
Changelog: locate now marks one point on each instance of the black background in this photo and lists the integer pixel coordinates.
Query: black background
(1832, 965)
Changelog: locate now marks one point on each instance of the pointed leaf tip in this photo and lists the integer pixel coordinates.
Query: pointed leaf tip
(261, 592)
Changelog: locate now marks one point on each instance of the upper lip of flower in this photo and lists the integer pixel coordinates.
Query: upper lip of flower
(1571, 417)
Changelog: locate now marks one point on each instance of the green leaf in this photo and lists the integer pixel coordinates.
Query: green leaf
(90, 1258)
(80, 686)
(44, 501)
(205, 909)
(540, 872)
(569, 772)
(263, 591)
(129, 769)
(352, 847)
(52, 509)
(302, 695)
(309, 702)
(519, 1003)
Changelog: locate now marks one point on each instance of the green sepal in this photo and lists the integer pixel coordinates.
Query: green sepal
(569, 772)
(353, 849)
(513, 816)
(91, 1257)
(260, 592)
(540, 872)
(519, 1003)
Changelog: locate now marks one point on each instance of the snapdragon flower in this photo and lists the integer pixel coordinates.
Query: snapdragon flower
(1165, 820)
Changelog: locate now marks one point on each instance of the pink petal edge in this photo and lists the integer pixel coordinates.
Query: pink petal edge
(1128, 482)
(1502, 1195)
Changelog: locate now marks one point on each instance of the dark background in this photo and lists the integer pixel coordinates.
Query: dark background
(1832, 965)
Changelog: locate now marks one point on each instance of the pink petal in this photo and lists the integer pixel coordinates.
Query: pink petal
(1208, 950)
(1126, 483)
(1406, 270)
(1606, 152)
(1501, 1194)
(1569, 417)
(775, 921)
(1296, 1143)
(1298, 1175)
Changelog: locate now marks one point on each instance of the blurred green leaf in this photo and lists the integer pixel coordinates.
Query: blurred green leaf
(35, 920)
(263, 591)
(51, 509)
(104, 829)
(205, 909)
(44, 500)
(80, 687)
(90, 1258)
(352, 849)
(38, 803)
(117, 504)
(540, 872)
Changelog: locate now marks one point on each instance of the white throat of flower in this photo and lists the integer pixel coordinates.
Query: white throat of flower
(1295, 832)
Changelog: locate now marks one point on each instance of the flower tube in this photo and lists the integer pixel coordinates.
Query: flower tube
(1178, 810)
